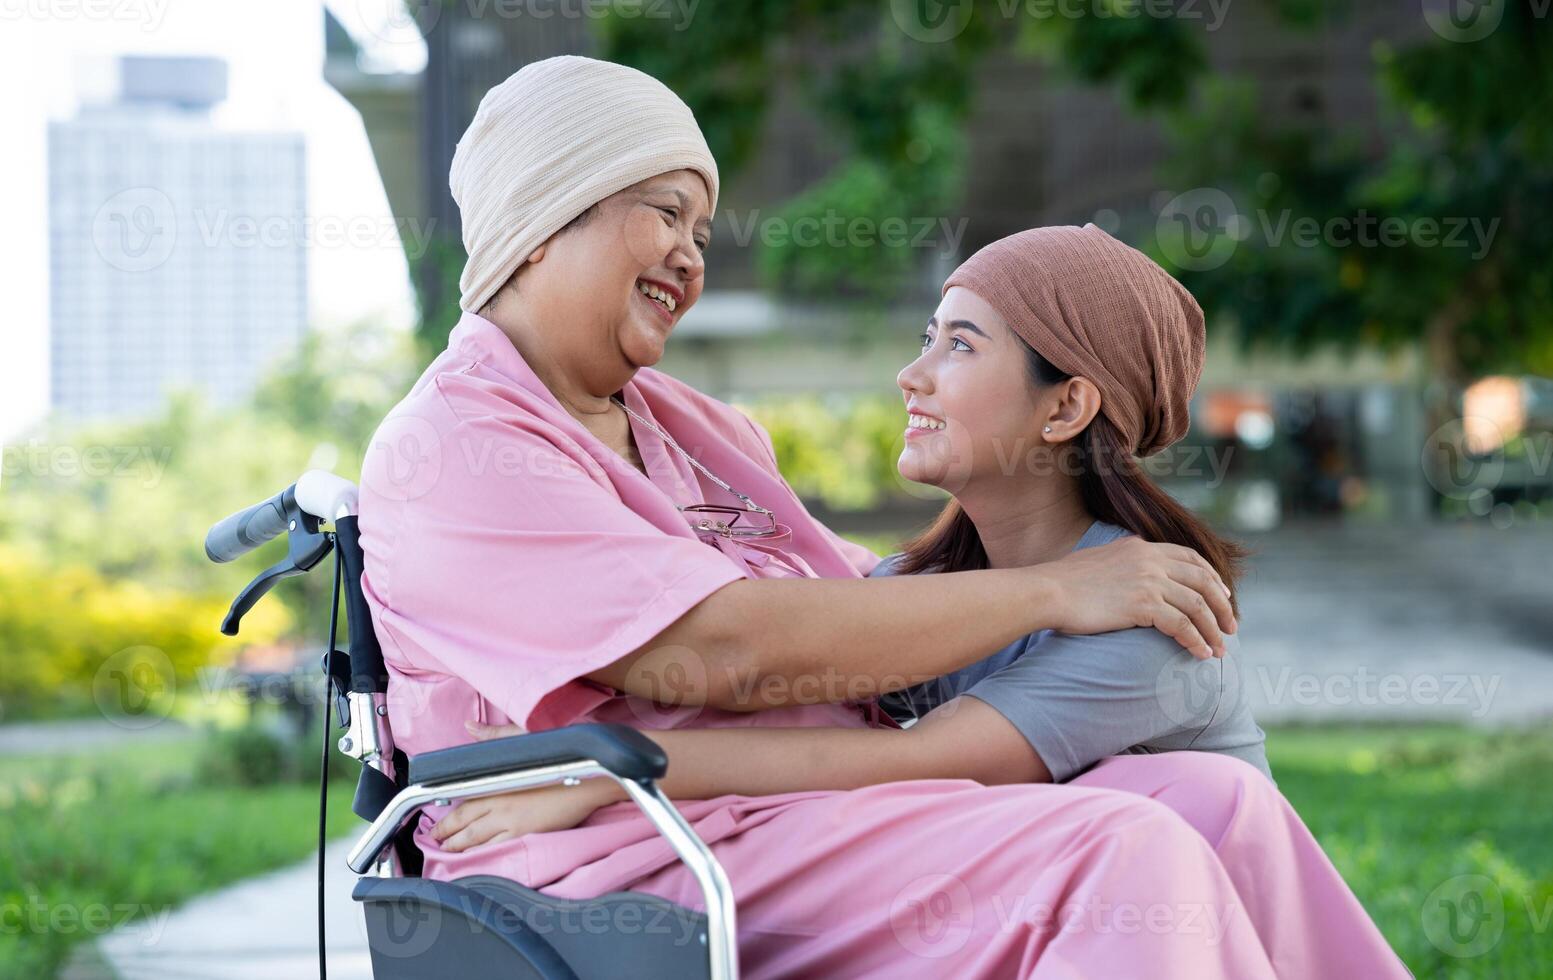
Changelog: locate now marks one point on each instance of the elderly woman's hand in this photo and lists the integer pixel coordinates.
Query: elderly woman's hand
(489, 819)
(1132, 582)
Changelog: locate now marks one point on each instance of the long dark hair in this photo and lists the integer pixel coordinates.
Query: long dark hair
(1114, 489)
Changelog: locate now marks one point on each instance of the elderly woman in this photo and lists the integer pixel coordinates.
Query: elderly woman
(556, 533)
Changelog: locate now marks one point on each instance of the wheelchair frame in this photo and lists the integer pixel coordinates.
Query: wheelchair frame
(389, 792)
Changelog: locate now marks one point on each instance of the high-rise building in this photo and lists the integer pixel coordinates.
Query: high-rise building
(177, 248)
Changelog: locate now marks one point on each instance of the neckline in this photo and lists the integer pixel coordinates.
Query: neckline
(657, 456)
(1095, 526)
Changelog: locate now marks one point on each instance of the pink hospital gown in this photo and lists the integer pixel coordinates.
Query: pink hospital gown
(509, 553)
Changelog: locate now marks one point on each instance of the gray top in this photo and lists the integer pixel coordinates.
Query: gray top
(1078, 699)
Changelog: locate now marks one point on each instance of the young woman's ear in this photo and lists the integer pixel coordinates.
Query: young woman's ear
(1077, 402)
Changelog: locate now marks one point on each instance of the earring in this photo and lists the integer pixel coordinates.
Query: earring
(1047, 429)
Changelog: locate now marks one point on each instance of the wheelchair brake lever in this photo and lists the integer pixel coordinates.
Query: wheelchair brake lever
(308, 546)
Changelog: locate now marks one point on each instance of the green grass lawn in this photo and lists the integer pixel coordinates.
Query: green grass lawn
(1420, 819)
(1412, 817)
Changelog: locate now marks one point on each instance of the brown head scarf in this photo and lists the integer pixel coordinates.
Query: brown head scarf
(1100, 309)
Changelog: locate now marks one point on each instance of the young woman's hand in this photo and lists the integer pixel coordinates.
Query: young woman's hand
(1132, 582)
(488, 819)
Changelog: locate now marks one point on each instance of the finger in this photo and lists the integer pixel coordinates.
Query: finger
(1179, 627)
(1192, 556)
(459, 817)
(1191, 603)
(477, 833)
(1206, 585)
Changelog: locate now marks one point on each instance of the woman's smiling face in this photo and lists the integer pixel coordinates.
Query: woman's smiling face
(971, 409)
(612, 287)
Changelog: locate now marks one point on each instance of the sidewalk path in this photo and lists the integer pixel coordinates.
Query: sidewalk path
(265, 928)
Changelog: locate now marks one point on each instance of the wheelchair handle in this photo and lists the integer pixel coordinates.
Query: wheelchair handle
(240, 533)
(318, 492)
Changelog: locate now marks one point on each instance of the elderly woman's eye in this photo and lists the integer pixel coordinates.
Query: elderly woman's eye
(671, 213)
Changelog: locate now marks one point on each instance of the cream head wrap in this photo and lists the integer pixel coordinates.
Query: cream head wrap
(551, 141)
(1103, 310)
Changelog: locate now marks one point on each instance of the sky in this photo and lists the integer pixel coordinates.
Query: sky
(52, 50)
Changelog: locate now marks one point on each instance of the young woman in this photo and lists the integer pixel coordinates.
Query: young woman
(1031, 403)
(534, 517)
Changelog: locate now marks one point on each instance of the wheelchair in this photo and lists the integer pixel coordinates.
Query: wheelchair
(481, 925)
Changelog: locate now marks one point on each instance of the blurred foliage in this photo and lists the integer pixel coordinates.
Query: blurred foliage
(894, 107)
(435, 272)
(1466, 134)
(840, 452)
(72, 638)
(104, 525)
(258, 754)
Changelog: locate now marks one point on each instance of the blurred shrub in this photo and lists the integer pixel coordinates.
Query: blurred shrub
(838, 451)
(73, 640)
(252, 755)
(256, 754)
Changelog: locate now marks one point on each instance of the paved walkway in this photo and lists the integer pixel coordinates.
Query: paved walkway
(77, 734)
(265, 928)
(1441, 622)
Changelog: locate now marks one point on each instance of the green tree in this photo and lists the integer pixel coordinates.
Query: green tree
(1464, 152)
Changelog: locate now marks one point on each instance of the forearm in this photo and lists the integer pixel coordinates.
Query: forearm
(790, 641)
(710, 762)
(768, 643)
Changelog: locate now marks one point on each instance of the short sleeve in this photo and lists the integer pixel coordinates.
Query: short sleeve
(519, 569)
(1078, 699)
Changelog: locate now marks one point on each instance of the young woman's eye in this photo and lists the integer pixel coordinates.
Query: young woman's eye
(925, 340)
(963, 344)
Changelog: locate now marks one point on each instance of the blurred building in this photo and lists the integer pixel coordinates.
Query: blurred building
(176, 248)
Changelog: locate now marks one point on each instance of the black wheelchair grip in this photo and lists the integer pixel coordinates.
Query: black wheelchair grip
(245, 530)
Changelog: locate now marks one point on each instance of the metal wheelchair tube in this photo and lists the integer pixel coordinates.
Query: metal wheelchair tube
(721, 920)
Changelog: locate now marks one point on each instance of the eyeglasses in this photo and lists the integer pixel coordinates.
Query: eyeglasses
(724, 520)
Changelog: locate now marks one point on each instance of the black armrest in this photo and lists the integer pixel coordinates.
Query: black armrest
(621, 749)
